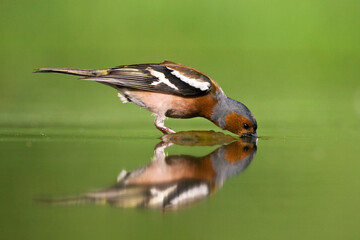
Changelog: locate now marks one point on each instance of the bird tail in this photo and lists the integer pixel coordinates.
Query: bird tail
(79, 200)
(73, 71)
(118, 196)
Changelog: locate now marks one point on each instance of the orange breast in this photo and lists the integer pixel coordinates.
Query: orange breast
(175, 106)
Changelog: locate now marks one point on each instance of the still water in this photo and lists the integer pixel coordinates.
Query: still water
(198, 185)
(174, 181)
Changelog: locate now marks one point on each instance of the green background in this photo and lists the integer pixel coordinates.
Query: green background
(295, 64)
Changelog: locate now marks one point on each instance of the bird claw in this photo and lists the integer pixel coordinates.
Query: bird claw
(159, 123)
(165, 130)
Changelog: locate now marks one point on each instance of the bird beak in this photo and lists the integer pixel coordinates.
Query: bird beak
(252, 135)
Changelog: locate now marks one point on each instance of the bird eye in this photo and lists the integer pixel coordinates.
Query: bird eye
(246, 148)
(246, 126)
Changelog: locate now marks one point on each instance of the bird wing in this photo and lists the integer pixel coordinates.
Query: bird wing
(166, 77)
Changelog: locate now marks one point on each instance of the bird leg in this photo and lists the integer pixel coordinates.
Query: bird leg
(159, 123)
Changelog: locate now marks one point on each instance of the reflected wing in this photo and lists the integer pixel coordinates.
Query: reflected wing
(166, 77)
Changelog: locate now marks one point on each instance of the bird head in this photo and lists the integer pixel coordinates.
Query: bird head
(240, 125)
(235, 117)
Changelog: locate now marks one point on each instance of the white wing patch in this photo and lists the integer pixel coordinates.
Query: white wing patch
(122, 97)
(191, 194)
(203, 86)
(162, 79)
(158, 196)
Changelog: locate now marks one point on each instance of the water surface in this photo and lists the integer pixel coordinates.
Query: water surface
(295, 187)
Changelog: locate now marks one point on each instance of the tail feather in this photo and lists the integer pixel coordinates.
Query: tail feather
(66, 201)
(133, 196)
(73, 71)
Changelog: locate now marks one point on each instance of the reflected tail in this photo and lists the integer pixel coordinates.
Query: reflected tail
(120, 197)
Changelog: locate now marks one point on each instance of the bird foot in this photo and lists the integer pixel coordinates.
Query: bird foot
(165, 130)
(159, 123)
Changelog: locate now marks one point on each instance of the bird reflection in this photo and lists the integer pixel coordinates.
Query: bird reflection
(175, 181)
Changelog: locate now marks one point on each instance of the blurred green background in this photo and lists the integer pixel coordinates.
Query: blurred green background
(295, 64)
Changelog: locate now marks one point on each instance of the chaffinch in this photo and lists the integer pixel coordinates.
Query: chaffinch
(175, 181)
(172, 90)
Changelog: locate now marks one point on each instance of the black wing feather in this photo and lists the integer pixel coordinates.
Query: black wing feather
(141, 77)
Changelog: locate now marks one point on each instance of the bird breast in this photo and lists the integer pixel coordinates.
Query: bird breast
(171, 105)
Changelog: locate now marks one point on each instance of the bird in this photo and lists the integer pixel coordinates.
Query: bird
(173, 90)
